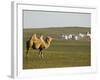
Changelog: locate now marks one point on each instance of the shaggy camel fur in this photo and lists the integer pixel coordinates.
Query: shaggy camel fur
(38, 43)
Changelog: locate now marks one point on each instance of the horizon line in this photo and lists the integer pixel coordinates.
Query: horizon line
(60, 27)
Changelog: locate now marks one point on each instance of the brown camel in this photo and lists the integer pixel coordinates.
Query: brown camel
(38, 43)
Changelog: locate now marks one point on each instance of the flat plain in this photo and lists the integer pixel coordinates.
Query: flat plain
(61, 53)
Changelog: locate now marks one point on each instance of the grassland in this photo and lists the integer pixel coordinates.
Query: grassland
(61, 53)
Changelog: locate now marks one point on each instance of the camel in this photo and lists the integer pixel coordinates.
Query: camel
(38, 43)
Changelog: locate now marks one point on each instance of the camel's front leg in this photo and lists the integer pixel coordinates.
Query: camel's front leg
(41, 53)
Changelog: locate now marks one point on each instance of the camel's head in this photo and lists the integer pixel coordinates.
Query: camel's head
(49, 39)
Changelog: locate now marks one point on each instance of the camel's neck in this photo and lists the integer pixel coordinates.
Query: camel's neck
(47, 43)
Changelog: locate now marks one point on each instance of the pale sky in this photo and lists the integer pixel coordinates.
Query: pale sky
(42, 19)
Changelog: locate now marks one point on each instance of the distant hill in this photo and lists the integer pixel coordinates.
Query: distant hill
(56, 31)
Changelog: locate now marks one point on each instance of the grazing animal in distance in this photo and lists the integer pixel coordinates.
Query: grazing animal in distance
(88, 35)
(81, 35)
(38, 43)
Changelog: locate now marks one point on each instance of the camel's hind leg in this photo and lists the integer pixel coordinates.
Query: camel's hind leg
(27, 47)
(27, 51)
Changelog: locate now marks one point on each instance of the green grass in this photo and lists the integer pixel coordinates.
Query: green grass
(61, 53)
